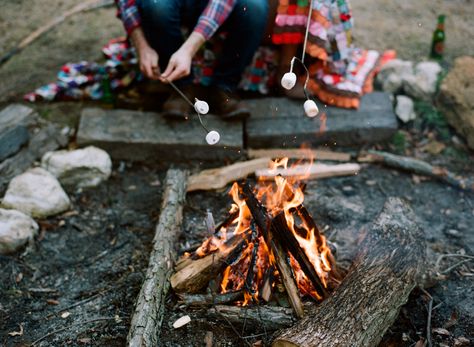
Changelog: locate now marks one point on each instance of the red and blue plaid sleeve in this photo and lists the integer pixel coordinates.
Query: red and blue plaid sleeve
(128, 13)
(214, 16)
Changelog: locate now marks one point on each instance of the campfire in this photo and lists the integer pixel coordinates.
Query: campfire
(269, 241)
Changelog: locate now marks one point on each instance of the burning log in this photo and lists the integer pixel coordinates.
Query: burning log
(197, 273)
(271, 317)
(310, 171)
(286, 237)
(264, 223)
(148, 314)
(387, 268)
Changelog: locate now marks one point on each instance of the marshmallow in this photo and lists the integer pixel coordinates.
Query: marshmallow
(288, 80)
(310, 108)
(201, 107)
(181, 322)
(212, 137)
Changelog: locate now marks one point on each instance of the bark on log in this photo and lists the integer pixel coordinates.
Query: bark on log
(310, 171)
(316, 154)
(418, 167)
(271, 317)
(210, 299)
(387, 268)
(220, 177)
(148, 314)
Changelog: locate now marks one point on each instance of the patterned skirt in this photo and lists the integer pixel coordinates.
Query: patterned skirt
(340, 73)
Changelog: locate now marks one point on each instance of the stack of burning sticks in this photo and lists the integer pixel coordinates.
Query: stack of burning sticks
(268, 242)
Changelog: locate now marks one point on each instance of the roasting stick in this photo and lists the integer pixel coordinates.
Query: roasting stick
(175, 87)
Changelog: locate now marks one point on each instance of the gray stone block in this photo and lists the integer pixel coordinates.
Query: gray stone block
(280, 122)
(147, 136)
(11, 140)
(14, 120)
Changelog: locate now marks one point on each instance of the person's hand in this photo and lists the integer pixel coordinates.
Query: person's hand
(178, 66)
(148, 61)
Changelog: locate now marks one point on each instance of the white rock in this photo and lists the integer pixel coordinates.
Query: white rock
(16, 229)
(393, 73)
(80, 168)
(36, 193)
(181, 322)
(422, 85)
(405, 109)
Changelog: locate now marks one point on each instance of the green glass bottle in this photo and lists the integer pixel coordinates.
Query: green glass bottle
(439, 36)
(107, 94)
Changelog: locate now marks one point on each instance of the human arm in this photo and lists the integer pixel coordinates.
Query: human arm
(214, 15)
(130, 16)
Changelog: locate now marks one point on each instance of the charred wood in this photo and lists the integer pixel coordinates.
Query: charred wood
(196, 274)
(270, 317)
(264, 223)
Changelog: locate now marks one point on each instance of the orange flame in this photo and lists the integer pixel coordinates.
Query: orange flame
(283, 195)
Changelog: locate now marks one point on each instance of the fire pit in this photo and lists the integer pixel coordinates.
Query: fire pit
(268, 241)
(268, 249)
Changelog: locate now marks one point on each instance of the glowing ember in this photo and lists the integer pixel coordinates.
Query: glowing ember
(255, 266)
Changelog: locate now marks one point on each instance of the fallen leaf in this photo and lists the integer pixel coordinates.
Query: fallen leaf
(17, 333)
(461, 341)
(52, 302)
(85, 340)
(434, 147)
(441, 331)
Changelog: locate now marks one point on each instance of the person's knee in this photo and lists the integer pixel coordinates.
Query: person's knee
(160, 12)
(253, 12)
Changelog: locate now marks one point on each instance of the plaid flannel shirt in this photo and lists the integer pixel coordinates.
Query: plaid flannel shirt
(214, 15)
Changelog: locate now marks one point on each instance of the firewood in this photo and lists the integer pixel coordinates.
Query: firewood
(416, 166)
(310, 171)
(218, 178)
(270, 317)
(388, 266)
(285, 237)
(148, 314)
(210, 299)
(316, 154)
(264, 223)
(187, 260)
(197, 273)
(267, 288)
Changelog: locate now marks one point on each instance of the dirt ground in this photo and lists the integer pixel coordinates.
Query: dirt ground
(403, 25)
(90, 263)
(77, 284)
